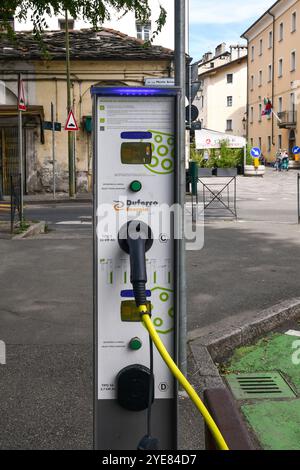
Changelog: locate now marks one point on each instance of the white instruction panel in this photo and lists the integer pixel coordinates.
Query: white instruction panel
(135, 181)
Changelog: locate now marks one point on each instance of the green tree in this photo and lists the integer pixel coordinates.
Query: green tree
(93, 11)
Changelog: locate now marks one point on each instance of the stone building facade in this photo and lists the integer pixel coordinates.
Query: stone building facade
(103, 58)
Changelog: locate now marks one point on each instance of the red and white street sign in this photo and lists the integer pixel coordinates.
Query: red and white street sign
(21, 98)
(71, 124)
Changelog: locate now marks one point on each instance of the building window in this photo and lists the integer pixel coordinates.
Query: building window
(280, 68)
(143, 31)
(259, 143)
(62, 24)
(294, 22)
(202, 101)
(270, 40)
(279, 142)
(292, 102)
(252, 53)
(229, 125)
(252, 82)
(281, 31)
(260, 78)
(293, 61)
(251, 114)
(230, 78)
(280, 104)
(270, 73)
(269, 144)
(229, 101)
(251, 142)
(260, 47)
(259, 112)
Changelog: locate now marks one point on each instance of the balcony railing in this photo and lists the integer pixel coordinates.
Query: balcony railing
(288, 119)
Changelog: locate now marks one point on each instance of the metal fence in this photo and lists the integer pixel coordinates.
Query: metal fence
(218, 191)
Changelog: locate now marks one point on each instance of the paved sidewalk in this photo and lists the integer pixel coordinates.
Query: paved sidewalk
(47, 198)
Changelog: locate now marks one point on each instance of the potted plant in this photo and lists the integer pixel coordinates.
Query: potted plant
(227, 162)
(204, 170)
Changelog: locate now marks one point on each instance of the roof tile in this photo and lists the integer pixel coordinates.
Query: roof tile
(86, 44)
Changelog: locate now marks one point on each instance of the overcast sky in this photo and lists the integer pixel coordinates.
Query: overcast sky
(216, 21)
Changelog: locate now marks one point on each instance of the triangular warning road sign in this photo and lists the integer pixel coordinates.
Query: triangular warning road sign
(71, 124)
(21, 98)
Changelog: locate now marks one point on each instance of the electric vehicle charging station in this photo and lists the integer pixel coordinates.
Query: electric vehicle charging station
(136, 168)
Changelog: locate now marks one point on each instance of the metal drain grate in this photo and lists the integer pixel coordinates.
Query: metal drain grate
(259, 385)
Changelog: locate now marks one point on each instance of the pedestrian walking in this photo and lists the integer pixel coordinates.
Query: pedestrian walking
(278, 163)
(285, 161)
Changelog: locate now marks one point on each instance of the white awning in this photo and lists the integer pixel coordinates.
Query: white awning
(206, 139)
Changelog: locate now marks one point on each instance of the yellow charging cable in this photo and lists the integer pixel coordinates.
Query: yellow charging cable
(182, 380)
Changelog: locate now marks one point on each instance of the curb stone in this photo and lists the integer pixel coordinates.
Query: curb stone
(217, 342)
(34, 229)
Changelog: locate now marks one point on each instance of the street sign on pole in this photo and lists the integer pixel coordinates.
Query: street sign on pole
(71, 124)
(255, 152)
(71, 135)
(296, 150)
(160, 82)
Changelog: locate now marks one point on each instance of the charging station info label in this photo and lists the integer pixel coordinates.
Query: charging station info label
(116, 116)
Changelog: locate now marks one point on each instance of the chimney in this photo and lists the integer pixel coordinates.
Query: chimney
(207, 56)
(220, 49)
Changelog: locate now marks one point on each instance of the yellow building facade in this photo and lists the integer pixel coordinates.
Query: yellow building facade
(105, 58)
(274, 73)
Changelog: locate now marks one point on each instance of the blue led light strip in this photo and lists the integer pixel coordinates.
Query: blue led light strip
(129, 294)
(136, 135)
(139, 91)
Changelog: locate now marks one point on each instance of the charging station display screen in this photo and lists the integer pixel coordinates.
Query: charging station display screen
(136, 153)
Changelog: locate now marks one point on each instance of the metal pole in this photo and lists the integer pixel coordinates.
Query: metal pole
(20, 149)
(180, 81)
(70, 134)
(298, 197)
(1, 167)
(245, 157)
(53, 149)
(11, 206)
(190, 97)
(190, 67)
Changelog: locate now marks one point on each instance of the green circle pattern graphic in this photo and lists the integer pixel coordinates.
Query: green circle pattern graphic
(162, 150)
(163, 153)
(164, 297)
(155, 162)
(158, 322)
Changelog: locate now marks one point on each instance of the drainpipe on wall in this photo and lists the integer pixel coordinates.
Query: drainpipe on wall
(273, 75)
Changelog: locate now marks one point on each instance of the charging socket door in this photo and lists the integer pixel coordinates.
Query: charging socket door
(135, 172)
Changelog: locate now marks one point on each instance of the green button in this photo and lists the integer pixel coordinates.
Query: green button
(135, 344)
(136, 186)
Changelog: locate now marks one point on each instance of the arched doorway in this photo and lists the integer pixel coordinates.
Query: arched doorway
(292, 141)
